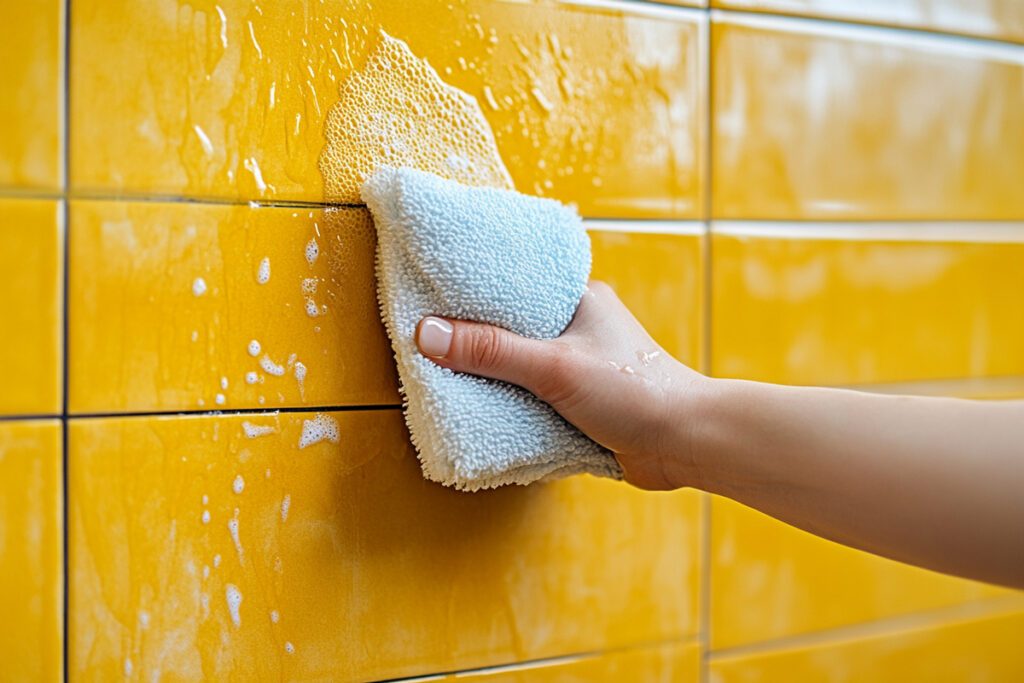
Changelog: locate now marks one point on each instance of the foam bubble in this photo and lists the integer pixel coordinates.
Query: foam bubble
(309, 286)
(219, 399)
(206, 571)
(206, 517)
(239, 485)
(233, 528)
(224, 383)
(253, 377)
(216, 561)
(254, 348)
(252, 431)
(311, 308)
(300, 376)
(289, 648)
(128, 667)
(274, 616)
(206, 499)
(396, 111)
(198, 286)
(263, 274)
(234, 599)
(319, 428)
(285, 504)
(270, 367)
(312, 251)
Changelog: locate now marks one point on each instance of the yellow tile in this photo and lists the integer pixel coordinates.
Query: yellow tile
(980, 649)
(373, 572)
(814, 120)
(823, 311)
(590, 105)
(143, 340)
(676, 663)
(31, 258)
(30, 93)
(30, 551)
(661, 279)
(772, 580)
(1001, 19)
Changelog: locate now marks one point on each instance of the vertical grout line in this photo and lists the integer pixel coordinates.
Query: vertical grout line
(704, 607)
(66, 277)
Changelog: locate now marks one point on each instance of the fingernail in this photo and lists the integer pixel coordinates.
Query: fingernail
(435, 337)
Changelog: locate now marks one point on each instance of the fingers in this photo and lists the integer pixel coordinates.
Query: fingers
(483, 350)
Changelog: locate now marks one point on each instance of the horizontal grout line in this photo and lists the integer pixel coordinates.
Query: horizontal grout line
(901, 623)
(1000, 385)
(23, 193)
(237, 411)
(952, 44)
(40, 417)
(1002, 232)
(646, 226)
(539, 662)
(642, 8)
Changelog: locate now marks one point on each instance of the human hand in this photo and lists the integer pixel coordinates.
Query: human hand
(604, 374)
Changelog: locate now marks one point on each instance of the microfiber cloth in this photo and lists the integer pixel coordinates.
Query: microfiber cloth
(493, 256)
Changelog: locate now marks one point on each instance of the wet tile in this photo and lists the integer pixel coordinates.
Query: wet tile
(984, 648)
(660, 277)
(588, 104)
(816, 120)
(166, 300)
(31, 260)
(199, 552)
(30, 551)
(813, 310)
(1000, 19)
(676, 662)
(31, 61)
(772, 581)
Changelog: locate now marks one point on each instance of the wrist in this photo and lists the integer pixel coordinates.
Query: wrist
(689, 425)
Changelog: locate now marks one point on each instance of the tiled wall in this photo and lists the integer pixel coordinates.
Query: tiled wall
(776, 194)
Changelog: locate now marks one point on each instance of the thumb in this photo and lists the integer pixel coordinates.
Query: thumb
(482, 349)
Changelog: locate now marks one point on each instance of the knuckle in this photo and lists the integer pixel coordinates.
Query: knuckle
(559, 375)
(487, 348)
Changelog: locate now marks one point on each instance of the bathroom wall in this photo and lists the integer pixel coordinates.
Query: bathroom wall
(203, 468)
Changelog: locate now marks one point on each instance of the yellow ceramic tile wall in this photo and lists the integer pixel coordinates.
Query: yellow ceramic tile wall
(671, 663)
(166, 300)
(982, 649)
(814, 120)
(660, 277)
(1001, 19)
(833, 311)
(31, 62)
(31, 257)
(591, 105)
(30, 551)
(217, 548)
(771, 580)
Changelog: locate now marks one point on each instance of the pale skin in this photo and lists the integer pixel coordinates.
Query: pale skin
(934, 482)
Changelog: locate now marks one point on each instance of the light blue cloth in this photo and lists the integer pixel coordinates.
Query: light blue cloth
(494, 256)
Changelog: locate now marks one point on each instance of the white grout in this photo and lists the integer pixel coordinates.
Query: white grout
(649, 227)
(1010, 232)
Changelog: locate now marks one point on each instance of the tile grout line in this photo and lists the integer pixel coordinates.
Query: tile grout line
(65, 287)
(298, 410)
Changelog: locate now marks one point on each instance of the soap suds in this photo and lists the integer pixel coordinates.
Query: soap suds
(233, 528)
(254, 348)
(289, 648)
(206, 517)
(319, 428)
(128, 667)
(396, 111)
(239, 485)
(198, 286)
(300, 376)
(253, 377)
(274, 616)
(252, 431)
(312, 251)
(263, 274)
(270, 367)
(285, 504)
(234, 598)
(224, 383)
(216, 561)
(219, 400)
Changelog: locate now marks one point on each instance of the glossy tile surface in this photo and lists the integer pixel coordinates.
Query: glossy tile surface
(31, 261)
(676, 662)
(814, 120)
(820, 311)
(986, 648)
(237, 107)
(349, 546)
(772, 580)
(1000, 19)
(166, 300)
(660, 278)
(30, 93)
(30, 551)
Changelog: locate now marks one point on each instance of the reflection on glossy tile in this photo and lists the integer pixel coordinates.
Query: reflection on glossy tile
(237, 107)
(1002, 19)
(676, 663)
(821, 311)
(813, 120)
(772, 580)
(982, 649)
(31, 257)
(30, 85)
(30, 551)
(661, 279)
(183, 306)
(214, 547)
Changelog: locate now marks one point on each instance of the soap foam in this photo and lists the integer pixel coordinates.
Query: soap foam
(233, 528)
(234, 598)
(252, 431)
(396, 111)
(253, 377)
(263, 274)
(319, 428)
(270, 367)
(285, 504)
(239, 485)
(254, 348)
(198, 286)
(312, 251)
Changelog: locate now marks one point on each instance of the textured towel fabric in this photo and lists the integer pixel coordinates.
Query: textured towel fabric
(490, 255)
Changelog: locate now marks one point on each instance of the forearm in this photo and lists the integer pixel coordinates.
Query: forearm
(931, 481)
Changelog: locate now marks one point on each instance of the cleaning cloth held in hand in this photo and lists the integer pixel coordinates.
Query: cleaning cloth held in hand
(493, 256)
